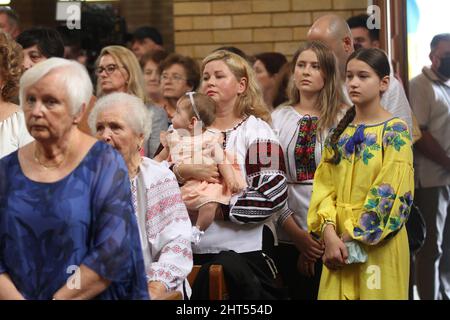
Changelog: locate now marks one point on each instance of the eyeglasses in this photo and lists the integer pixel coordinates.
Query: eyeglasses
(175, 77)
(109, 69)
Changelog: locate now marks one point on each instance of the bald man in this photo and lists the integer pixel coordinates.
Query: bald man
(334, 31)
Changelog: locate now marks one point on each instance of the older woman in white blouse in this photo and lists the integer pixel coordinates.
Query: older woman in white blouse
(122, 121)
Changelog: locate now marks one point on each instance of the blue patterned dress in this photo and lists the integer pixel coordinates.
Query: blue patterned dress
(48, 229)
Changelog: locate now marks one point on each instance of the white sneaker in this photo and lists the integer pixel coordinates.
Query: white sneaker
(196, 235)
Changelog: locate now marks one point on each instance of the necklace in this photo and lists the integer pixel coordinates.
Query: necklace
(134, 172)
(47, 167)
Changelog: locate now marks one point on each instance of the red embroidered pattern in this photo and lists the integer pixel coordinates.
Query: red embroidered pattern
(186, 252)
(163, 205)
(305, 162)
(168, 272)
(264, 156)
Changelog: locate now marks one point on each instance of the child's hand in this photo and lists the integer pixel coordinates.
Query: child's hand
(163, 138)
(234, 187)
(335, 250)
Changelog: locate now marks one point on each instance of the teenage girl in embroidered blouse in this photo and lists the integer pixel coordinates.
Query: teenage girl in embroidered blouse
(363, 191)
(315, 106)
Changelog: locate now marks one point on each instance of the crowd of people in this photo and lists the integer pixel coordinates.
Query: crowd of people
(298, 177)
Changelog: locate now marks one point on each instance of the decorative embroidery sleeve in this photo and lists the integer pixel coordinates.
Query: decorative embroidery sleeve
(168, 231)
(388, 204)
(267, 189)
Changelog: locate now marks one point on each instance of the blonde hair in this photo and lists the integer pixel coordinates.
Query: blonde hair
(125, 57)
(330, 101)
(11, 57)
(250, 102)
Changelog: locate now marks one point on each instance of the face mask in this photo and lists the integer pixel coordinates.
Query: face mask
(444, 67)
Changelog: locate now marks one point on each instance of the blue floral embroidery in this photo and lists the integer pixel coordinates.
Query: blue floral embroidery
(379, 213)
(370, 227)
(355, 140)
(360, 144)
(405, 207)
(395, 135)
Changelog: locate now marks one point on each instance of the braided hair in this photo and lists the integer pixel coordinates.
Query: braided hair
(334, 138)
(379, 62)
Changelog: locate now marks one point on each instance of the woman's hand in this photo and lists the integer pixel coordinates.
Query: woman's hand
(201, 172)
(305, 266)
(335, 249)
(308, 246)
(156, 289)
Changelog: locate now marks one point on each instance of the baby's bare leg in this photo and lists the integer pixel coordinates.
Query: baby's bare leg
(206, 215)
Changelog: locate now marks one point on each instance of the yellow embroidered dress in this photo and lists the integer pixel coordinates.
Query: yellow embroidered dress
(368, 195)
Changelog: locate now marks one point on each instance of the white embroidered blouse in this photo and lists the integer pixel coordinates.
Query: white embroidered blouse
(164, 225)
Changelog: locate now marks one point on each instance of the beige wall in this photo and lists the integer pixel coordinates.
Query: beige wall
(252, 25)
(156, 13)
(196, 27)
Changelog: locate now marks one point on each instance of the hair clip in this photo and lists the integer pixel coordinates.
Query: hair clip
(190, 94)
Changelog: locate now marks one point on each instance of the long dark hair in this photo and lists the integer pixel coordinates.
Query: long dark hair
(378, 61)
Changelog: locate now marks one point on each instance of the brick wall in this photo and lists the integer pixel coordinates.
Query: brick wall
(252, 25)
(196, 27)
(156, 13)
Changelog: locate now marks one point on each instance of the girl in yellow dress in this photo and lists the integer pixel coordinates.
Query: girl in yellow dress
(363, 191)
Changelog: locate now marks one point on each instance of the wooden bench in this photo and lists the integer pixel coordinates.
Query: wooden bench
(217, 285)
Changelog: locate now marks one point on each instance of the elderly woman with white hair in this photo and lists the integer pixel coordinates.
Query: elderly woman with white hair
(67, 228)
(123, 121)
